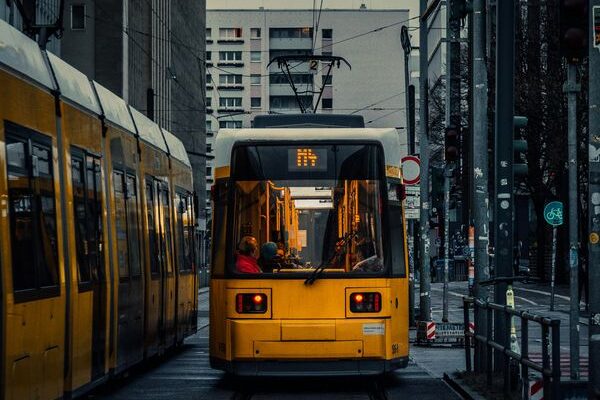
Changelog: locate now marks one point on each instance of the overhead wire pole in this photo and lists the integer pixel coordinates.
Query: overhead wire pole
(425, 282)
(480, 170)
(503, 146)
(594, 197)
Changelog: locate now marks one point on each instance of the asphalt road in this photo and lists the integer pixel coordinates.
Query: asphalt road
(186, 374)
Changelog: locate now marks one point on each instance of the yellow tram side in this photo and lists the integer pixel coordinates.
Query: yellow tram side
(76, 282)
(305, 328)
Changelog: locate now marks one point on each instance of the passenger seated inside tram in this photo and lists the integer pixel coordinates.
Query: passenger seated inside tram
(269, 259)
(246, 261)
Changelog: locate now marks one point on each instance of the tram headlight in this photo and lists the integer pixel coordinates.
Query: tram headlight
(251, 303)
(369, 302)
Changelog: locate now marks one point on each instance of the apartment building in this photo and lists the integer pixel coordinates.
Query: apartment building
(240, 43)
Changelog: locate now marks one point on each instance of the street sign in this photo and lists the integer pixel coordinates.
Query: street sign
(553, 213)
(412, 203)
(411, 170)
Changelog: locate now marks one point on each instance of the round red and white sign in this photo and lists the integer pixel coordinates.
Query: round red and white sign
(411, 170)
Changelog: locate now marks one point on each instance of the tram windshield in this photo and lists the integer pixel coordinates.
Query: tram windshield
(297, 208)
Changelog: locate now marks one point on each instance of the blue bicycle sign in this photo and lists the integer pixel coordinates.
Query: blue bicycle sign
(553, 213)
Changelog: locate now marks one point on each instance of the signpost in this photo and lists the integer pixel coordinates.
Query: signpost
(411, 170)
(553, 214)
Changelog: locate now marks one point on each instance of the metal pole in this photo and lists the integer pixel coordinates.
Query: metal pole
(553, 269)
(594, 202)
(572, 88)
(447, 175)
(503, 204)
(425, 284)
(411, 149)
(481, 214)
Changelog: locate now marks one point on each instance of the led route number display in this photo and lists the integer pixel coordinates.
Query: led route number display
(307, 159)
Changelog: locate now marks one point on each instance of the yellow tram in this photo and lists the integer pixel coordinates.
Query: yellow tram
(309, 258)
(96, 230)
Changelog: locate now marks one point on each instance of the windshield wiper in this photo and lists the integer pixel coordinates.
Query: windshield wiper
(319, 270)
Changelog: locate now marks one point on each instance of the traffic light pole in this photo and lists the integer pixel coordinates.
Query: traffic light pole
(480, 171)
(504, 132)
(571, 88)
(425, 283)
(594, 202)
(447, 176)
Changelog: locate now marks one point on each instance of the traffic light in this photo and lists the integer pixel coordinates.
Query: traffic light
(459, 9)
(451, 143)
(574, 30)
(520, 167)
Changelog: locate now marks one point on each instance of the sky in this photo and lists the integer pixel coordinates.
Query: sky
(412, 5)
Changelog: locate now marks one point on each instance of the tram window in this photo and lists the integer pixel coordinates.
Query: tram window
(32, 211)
(396, 226)
(320, 205)
(166, 213)
(219, 237)
(185, 232)
(81, 222)
(121, 223)
(180, 227)
(95, 210)
(152, 229)
(133, 226)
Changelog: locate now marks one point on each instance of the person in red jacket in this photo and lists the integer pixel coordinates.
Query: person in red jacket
(247, 257)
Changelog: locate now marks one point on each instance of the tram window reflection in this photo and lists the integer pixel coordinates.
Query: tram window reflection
(322, 204)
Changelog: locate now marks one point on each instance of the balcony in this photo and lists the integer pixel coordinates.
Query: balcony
(230, 40)
(230, 64)
(230, 87)
(290, 43)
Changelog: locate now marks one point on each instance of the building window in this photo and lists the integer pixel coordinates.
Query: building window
(78, 17)
(230, 33)
(208, 123)
(208, 79)
(298, 79)
(328, 103)
(208, 103)
(208, 171)
(208, 33)
(209, 147)
(327, 80)
(230, 56)
(208, 55)
(255, 79)
(289, 102)
(229, 124)
(327, 34)
(230, 79)
(230, 102)
(255, 33)
(291, 33)
(327, 53)
(255, 56)
(255, 102)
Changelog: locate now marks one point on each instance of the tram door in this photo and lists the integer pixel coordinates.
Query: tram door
(89, 230)
(166, 259)
(130, 300)
(154, 297)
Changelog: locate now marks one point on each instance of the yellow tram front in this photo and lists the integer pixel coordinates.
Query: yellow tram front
(309, 261)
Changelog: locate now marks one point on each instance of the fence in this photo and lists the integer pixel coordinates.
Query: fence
(550, 328)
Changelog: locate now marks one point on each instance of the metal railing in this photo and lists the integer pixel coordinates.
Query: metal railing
(550, 329)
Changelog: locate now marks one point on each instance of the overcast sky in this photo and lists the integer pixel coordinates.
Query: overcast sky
(412, 5)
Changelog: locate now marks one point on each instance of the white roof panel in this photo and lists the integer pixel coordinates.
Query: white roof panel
(23, 55)
(176, 148)
(73, 84)
(148, 131)
(115, 109)
(388, 137)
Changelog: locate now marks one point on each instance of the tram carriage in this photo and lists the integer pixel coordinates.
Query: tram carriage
(97, 249)
(334, 299)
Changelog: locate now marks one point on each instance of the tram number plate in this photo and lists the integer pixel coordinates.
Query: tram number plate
(373, 329)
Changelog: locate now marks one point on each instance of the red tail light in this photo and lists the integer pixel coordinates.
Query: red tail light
(251, 303)
(365, 302)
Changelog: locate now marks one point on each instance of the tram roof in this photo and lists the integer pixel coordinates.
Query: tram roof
(388, 137)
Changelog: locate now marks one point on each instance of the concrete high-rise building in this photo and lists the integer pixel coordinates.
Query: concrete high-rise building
(241, 42)
(148, 52)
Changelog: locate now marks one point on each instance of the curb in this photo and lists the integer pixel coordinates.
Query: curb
(461, 389)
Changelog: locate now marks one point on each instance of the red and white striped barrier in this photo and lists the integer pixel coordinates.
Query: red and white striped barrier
(536, 390)
(430, 329)
(471, 327)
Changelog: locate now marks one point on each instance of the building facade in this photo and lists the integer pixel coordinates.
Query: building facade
(240, 43)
